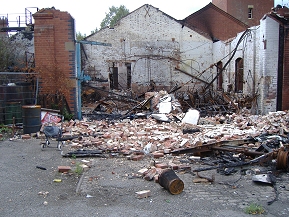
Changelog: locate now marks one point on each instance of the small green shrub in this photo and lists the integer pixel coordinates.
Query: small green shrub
(5, 129)
(78, 169)
(254, 209)
(67, 116)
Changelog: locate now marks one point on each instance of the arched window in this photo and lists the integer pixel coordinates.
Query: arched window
(220, 76)
(239, 76)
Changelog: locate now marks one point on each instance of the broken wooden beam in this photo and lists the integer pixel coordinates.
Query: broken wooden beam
(211, 146)
(84, 153)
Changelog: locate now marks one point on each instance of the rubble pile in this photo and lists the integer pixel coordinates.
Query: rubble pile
(175, 141)
(150, 136)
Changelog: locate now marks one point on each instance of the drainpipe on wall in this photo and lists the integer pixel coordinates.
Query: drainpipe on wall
(78, 77)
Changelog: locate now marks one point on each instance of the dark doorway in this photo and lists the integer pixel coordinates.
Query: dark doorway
(128, 67)
(113, 77)
(220, 76)
(239, 76)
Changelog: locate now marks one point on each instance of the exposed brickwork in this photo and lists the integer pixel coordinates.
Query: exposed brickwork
(55, 54)
(215, 22)
(239, 9)
(153, 52)
(3, 23)
(63, 169)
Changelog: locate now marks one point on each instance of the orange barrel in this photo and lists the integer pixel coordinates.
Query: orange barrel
(171, 182)
(31, 115)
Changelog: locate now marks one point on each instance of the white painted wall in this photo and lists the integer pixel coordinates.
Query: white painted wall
(260, 65)
(269, 34)
(155, 44)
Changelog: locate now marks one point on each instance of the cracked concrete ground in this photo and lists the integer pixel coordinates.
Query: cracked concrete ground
(108, 188)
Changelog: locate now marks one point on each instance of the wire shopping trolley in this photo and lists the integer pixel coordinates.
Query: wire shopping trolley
(53, 132)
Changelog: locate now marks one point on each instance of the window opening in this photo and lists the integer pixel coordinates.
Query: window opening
(239, 76)
(250, 12)
(220, 77)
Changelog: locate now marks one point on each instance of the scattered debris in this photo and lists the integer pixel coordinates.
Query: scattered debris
(264, 178)
(267, 179)
(174, 138)
(84, 153)
(43, 193)
(171, 182)
(39, 167)
(143, 194)
(64, 169)
(89, 196)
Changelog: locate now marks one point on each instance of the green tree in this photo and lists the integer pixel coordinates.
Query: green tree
(114, 15)
(94, 31)
(79, 36)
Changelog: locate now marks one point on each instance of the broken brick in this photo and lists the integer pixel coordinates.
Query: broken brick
(156, 178)
(63, 169)
(26, 136)
(143, 194)
(143, 171)
(161, 165)
(174, 166)
(185, 167)
(137, 157)
(158, 154)
(150, 174)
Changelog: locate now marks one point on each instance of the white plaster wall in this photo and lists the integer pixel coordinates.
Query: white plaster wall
(269, 34)
(154, 44)
(260, 64)
(223, 51)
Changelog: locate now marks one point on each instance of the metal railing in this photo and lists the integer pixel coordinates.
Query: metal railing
(14, 21)
(16, 89)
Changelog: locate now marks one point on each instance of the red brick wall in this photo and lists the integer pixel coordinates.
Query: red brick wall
(216, 23)
(223, 4)
(3, 23)
(239, 9)
(54, 40)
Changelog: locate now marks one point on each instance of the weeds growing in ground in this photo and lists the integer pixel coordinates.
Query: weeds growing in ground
(78, 169)
(5, 129)
(254, 209)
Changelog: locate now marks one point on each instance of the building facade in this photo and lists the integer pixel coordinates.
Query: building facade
(149, 48)
(248, 11)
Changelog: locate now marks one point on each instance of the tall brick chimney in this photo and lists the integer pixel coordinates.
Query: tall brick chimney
(54, 41)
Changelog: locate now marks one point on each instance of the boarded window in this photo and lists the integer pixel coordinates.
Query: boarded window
(239, 67)
(220, 76)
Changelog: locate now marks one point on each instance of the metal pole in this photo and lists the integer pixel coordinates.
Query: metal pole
(79, 79)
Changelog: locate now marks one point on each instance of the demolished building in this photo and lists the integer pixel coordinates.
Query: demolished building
(150, 51)
(147, 55)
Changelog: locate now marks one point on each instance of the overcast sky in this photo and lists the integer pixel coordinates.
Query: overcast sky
(88, 14)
